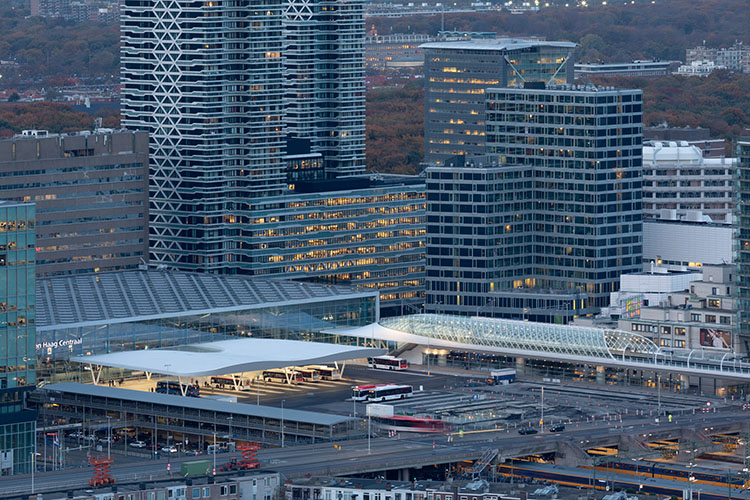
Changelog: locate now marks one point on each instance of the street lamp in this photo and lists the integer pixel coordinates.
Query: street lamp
(109, 435)
(282, 423)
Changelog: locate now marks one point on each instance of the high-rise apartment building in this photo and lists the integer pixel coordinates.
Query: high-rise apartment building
(91, 195)
(742, 237)
(325, 84)
(457, 73)
(584, 145)
(17, 337)
(206, 80)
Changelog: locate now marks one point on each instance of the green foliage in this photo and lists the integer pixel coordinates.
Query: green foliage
(55, 117)
(395, 129)
(620, 32)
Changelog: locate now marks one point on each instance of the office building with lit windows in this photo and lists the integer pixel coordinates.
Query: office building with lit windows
(91, 195)
(481, 251)
(584, 145)
(366, 231)
(457, 74)
(17, 337)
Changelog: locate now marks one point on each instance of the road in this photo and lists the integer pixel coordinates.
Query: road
(353, 456)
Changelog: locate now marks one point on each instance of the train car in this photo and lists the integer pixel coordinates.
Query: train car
(674, 472)
(583, 478)
(404, 423)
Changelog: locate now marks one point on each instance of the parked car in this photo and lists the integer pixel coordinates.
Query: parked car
(138, 444)
(106, 440)
(527, 430)
(169, 449)
(557, 428)
(192, 452)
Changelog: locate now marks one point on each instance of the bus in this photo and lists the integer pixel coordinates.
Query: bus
(403, 423)
(223, 382)
(192, 391)
(326, 372)
(504, 376)
(387, 363)
(308, 374)
(283, 376)
(381, 392)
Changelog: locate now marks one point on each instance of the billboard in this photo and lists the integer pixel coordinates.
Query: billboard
(711, 337)
(631, 308)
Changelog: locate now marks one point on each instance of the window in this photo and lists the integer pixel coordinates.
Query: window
(695, 317)
(710, 318)
(679, 331)
(232, 489)
(716, 303)
(196, 492)
(224, 490)
(714, 291)
(725, 320)
(206, 492)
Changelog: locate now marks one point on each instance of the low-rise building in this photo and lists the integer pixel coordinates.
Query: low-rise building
(636, 68)
(676, 176)
(687, 242)
(703, 317)
(695, 136)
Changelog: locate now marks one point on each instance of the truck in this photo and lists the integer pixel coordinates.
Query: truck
(195, 468)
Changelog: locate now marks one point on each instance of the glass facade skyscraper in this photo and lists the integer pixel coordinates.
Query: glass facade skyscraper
(17, 337)
(457, 75)
(584, 146)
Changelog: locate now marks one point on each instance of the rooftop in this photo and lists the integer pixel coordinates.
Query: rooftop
(497, 44)
(301, 416)
(141, 295)
(238, 355)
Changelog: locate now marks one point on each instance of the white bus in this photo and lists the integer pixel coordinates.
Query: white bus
(308, 374)
(283, 376)
(388, 363)
(326, 372)
(381, 392)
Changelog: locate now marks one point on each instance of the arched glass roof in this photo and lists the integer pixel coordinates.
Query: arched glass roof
(523, 335)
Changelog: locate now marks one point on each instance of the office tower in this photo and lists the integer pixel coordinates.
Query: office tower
(17, 338)
(457, 74)
(206, 80)
(742, 236)
(91, 195)
(584, 145)
(676, 177)
(325, 85)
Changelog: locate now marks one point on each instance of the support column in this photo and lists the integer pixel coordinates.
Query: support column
(95, 373)
(601, 375)
(520, 366)
(684, 383)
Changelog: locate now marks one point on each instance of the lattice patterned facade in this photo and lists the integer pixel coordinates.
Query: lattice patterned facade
(205, 78)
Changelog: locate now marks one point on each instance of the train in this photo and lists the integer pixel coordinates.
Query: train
(583, 478)
(674, 472)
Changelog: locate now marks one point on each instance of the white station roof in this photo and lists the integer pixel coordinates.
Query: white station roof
(229, 356)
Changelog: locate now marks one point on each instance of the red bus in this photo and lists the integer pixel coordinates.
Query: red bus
(403, 423)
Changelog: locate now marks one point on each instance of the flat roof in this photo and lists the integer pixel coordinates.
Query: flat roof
(229, 356)
(302, 416)
(141, 295)
(496, 44)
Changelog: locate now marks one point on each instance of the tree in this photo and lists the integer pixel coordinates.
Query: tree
(14, 97)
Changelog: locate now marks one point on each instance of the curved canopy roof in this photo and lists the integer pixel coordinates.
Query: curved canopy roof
(501, 335)
(229, 356)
